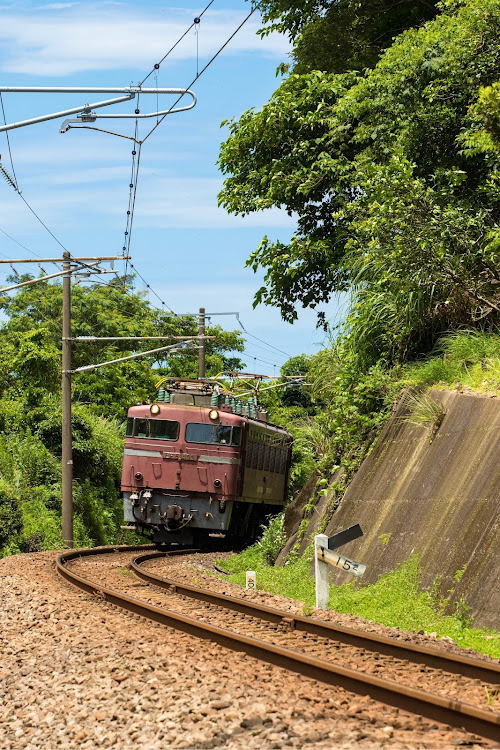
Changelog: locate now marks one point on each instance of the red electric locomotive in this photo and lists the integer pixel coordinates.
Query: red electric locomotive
(200, 464)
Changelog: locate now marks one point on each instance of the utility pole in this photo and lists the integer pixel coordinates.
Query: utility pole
(67, 449)
(201, 350)
(66, 436)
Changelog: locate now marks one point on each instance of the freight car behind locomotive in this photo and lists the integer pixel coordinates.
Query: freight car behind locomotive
(196, 469)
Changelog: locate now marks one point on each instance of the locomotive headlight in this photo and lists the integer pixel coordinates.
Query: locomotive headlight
(213, 414)
(154, 409)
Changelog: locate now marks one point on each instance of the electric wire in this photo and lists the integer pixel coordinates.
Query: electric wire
(17, 185)
(134, 179)
(102, 130)
(198, 75)
(135, 171)
(19, 243)
(157, 65)
(270, 346)
(42, 223)
(252, 353)
(8, 144)
(148, 286)
(264, 361)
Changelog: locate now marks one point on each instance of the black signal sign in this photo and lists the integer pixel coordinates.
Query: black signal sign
(342, 537)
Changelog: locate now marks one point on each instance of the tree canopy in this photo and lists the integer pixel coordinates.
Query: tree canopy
(31, 341)
(395, 200)
(340, 35)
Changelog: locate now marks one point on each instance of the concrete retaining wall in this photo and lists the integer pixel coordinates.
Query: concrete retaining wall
(438, 497)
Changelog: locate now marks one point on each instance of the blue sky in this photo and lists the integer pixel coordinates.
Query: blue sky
(190, 252)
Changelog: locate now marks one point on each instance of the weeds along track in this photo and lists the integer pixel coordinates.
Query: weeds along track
(422, 680)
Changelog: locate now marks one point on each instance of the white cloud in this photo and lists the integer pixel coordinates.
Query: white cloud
(192, 202)
(66, 38)
(162, 202)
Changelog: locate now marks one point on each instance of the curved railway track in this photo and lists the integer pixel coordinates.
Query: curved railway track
(300, 632)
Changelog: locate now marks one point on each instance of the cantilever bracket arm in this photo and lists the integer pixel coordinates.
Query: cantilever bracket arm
(85, 112)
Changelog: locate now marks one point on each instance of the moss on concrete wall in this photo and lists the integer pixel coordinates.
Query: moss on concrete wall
(434, 493)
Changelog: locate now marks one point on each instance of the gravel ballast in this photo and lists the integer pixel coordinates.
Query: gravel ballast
(77, 673)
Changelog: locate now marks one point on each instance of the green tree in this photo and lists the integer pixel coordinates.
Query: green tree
(30, 405)
(341, 35)
(31, 342)
(389, 204)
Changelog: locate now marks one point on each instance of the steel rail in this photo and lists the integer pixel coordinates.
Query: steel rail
(447, 711)
(428, 656)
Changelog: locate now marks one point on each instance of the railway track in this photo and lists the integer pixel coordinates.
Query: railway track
(323, 651)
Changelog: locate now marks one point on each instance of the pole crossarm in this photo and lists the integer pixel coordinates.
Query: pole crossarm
(49, 276)
(60, 260)
(85, 112)
(173, 348)
(139, 338)
(34, 281)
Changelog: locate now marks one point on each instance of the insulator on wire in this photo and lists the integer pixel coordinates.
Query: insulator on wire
(8, 177)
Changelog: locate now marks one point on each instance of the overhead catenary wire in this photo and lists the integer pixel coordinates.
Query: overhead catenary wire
(136, 164)
(198, 75)
(149, 287)
(32, 252)
(17, 185)
(157, 65)
(134, 178)
(135, 173)
(135, 169)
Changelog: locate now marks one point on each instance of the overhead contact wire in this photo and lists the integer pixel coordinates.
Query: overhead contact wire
(153, 292)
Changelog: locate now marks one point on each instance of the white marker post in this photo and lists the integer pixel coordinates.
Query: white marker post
(323, 558)
(321, 572)
(251, 580)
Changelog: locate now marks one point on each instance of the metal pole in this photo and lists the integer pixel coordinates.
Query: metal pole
(32, 281)
(201, 353)
(67, 450)
(172, 348)
(59, 260)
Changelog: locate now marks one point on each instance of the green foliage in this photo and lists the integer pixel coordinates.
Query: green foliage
(273, 539)
(30, 406)
(10, 513)
(389, 205)
(468, 358)
(337, 36)
(32, 341)
(424, 411)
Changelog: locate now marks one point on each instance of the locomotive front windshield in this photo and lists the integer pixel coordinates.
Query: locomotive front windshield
(159, 429)
(208, 433)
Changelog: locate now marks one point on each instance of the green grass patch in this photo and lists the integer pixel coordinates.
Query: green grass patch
(469, 358)
(395, 600)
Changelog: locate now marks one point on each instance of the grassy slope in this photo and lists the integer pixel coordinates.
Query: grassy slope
(396, 600)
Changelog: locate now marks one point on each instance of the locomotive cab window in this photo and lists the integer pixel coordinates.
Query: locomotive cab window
(213, 434)
(159, 429)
